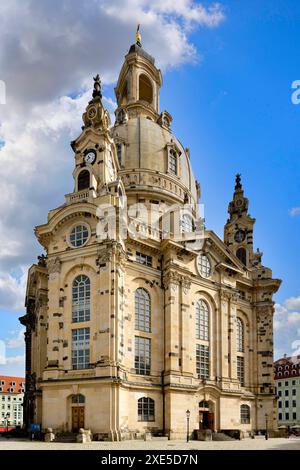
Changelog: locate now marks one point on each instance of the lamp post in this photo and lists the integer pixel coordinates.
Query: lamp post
(188, 414)
(266, 436)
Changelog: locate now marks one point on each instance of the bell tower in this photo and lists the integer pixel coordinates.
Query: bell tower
(138, 86)
(238, 231)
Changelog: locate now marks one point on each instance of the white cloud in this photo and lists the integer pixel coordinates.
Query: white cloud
(292, 303)
(50, 51)
(16, 359)
(287, 327)
(295, 211)
(17, 340)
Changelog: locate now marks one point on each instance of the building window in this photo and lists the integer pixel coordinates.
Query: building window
(294, 391)
(286, 404)
(294, 415)
(202, 320)
(286, 384)
(79, 235)
(293, 382)
(173, 162)
(202, 361)
(142, 356)
(245, 414)
(146, 410)
(241, 370)
(77, 399)
(240, 335)
(81, 297)
(280, 404)
(143, 259)
(279, 416)
(242, 255)
(83, 180)
(294, 403)
(142, 310)
(286, 393)
(186, 223)
(81, 348)
(203, 265)
(119, 153)
(145, 89)
(279, 384)
(287, 416)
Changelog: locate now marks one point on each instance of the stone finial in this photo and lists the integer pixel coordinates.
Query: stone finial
(97, 87)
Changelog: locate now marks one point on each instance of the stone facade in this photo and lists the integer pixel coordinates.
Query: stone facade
(126, 333)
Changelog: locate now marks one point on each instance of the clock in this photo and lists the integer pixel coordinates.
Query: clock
(240, 236)
(90, 156)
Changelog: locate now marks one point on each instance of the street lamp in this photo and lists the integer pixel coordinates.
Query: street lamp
(188, 414)
(266, 436)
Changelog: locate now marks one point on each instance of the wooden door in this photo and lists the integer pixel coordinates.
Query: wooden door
(210, 421)
(77, 418)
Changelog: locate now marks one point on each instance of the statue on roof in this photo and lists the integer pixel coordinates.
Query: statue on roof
(97, 87)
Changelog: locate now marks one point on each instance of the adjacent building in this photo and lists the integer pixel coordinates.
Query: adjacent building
(287, 379)
(126, 331)
(11, 401)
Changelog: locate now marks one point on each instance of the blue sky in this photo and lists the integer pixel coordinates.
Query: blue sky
(227, 83)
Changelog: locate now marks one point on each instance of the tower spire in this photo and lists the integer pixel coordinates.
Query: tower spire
(138, 37)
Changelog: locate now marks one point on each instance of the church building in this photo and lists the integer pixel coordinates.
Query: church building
(136, 315)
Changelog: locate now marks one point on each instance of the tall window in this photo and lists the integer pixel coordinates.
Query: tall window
(119, 153)
(81, 348)
(240, 335)
(202, 361)
(142, 307)
(242, 255)
(245, 414)
(202, 320)
(146, 410)
(241, 370)
(173, 162)
(83, 180)
(186, 224)
(81, 296)
(142, 355)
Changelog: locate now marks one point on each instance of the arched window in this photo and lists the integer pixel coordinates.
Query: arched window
(204, 405)
(146, 409)
(245, 414)
(242, 255)
(173, 167)
(240, 335)
(78, 399)
(145, 89)
(202, 320)
(81, 296)
(142, 309)
(83, 181)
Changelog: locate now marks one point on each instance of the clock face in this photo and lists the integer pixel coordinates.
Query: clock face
(240, 236)
(90, 156)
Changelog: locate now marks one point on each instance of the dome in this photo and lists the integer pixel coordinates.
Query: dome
(144, 160)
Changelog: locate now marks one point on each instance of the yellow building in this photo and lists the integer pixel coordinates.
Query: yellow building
(127, 331)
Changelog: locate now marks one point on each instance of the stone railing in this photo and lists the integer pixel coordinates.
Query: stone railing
(79, 196)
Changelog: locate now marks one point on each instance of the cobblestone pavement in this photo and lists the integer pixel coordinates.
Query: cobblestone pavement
(245, 444)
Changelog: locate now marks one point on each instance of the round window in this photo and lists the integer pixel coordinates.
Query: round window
(204, 265)
(79, 235)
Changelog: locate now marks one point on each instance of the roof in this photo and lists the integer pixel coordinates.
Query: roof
(7, 385)
(287, 360)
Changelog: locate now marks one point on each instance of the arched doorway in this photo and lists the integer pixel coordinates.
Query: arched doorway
(77, 412)
(206, 415)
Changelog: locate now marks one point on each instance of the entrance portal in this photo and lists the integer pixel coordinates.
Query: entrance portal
(77, 418)
(206, 416)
